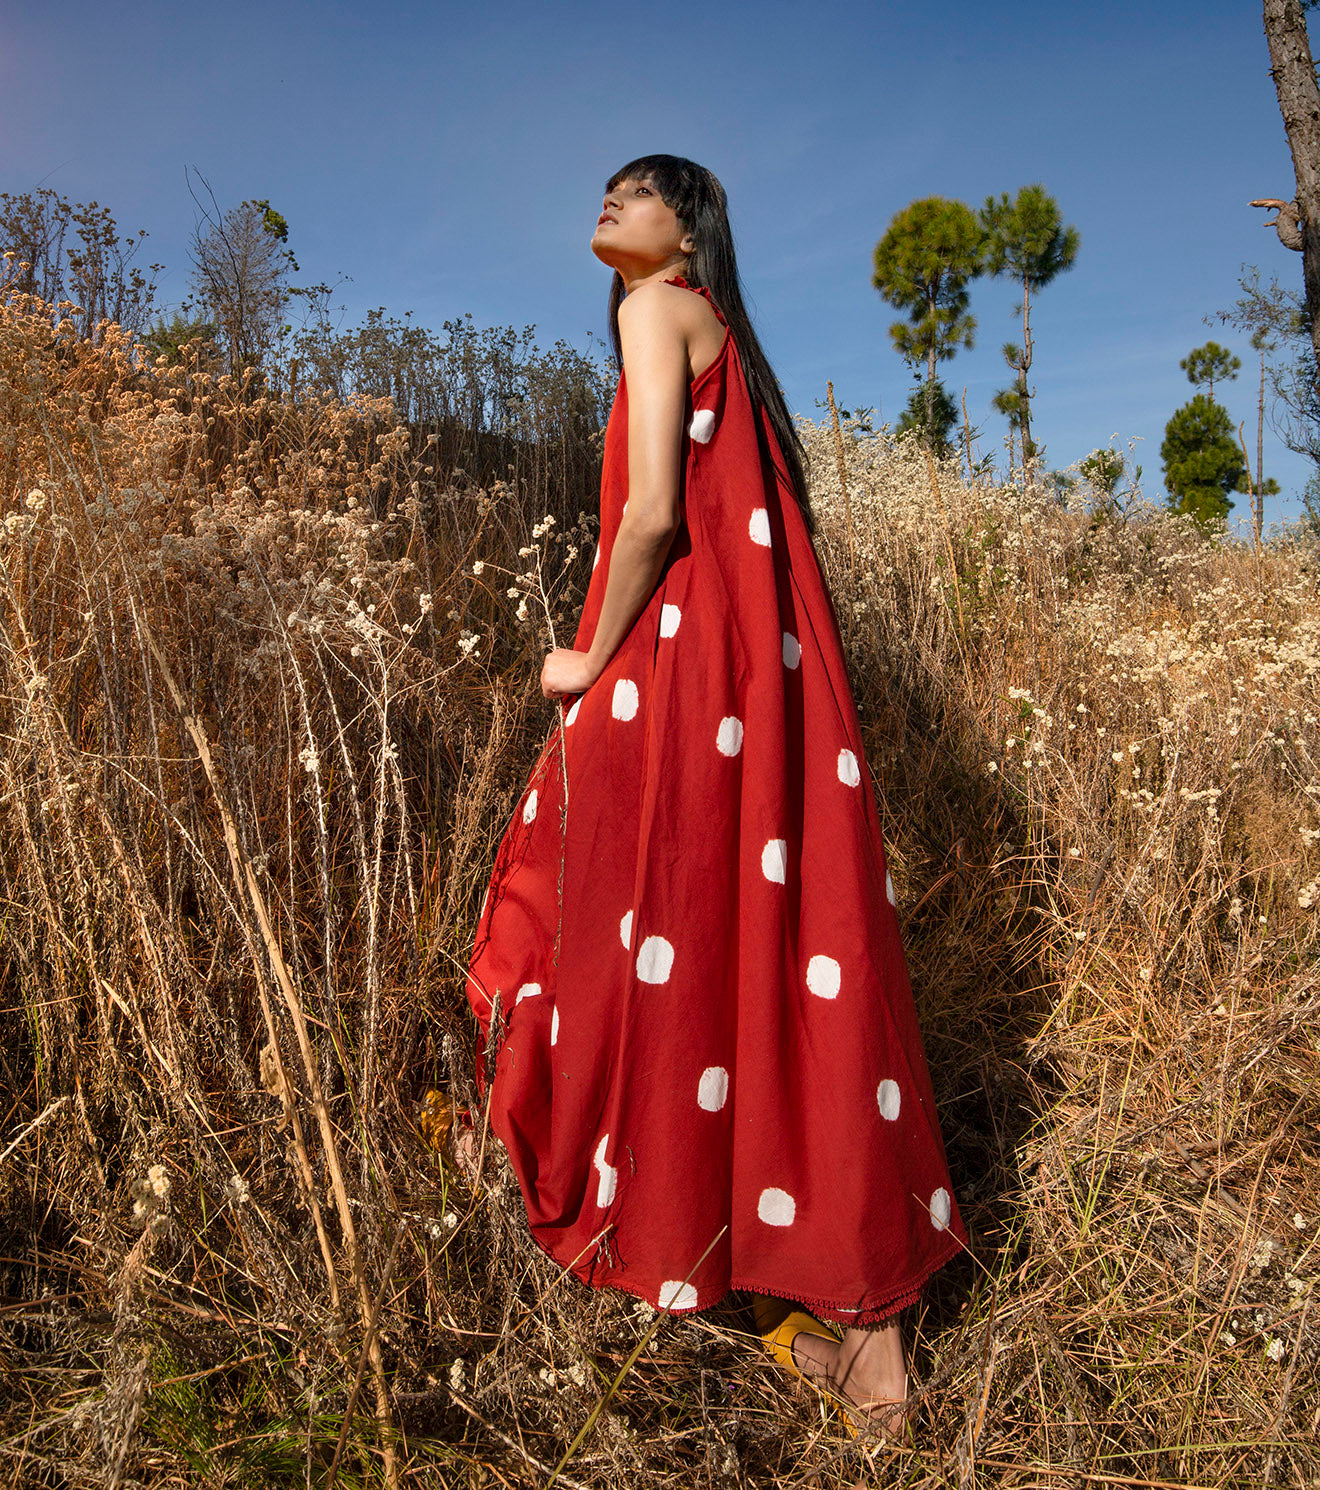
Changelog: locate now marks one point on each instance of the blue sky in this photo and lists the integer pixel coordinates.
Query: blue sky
(451, 158)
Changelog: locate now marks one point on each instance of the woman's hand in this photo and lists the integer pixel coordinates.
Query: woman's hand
(567, 671)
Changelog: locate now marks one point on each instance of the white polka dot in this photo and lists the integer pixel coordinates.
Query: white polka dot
(670, 616)
(849, 772)
(655, 960)
(702, 426)
(625, 930)
(676, 1295)
(941, 1207)
(823, 976)
(572, 713)
(527, 991)
(889, 889)
(713, 1088)
(623, 705)
(776, 1207)
(609, 1175)
(625, 505)
(554, 1025)
(890, 1099)
(774, 860)
(759, 527)
(596, 560)
(529, 807)
(792, 650)
(729, 736)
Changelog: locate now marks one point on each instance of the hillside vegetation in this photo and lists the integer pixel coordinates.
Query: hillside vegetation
(268, 693)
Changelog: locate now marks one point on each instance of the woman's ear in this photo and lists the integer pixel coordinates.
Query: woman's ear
(687, 246)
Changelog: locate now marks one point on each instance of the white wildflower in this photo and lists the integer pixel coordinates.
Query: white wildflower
(478, 565)
(1274, 1350)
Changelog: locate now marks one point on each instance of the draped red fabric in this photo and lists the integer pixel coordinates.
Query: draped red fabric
(708, 1033)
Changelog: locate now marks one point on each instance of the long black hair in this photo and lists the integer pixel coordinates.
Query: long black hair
(699, 202)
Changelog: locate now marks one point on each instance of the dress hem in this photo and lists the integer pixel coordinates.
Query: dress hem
(907, 1294)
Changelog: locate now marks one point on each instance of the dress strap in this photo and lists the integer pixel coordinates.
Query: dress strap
(678, 279)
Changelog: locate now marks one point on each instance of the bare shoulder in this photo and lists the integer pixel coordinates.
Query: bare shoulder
(664, 308)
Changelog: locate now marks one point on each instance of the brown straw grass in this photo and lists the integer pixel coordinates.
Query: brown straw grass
(266, 703)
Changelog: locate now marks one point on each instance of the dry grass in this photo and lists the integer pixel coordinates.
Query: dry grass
(262, 724)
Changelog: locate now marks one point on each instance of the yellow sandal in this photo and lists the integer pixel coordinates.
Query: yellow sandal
(779, 1323)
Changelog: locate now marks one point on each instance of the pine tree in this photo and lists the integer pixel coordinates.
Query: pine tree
(1202, 461)
(929, 254)
(1025, 241)
(1210, 364)
(933, 414)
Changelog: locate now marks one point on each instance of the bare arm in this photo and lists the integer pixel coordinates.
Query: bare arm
(655, 364)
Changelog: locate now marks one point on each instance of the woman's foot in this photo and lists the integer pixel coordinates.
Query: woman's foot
(872, 1373)
(866, 1368)
(463, 1146)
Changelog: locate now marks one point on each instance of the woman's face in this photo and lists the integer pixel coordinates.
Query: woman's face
(637, 233)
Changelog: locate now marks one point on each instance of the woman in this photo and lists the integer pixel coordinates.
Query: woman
(707, 1068)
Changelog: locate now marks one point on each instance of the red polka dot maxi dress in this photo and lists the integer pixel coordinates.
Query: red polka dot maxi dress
(708, 1029)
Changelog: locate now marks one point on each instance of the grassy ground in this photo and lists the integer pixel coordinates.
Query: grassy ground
(266, 701)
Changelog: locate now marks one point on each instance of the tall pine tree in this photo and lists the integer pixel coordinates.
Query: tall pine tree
(1210, 364)
(1025, 241)
(929, 254)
